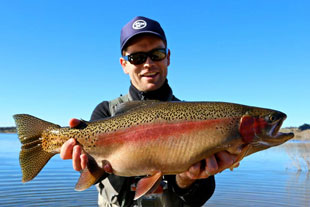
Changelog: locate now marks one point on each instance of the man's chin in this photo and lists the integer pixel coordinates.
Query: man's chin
(151, 87)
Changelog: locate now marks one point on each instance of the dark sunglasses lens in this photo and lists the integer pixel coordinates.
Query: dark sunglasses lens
(137, 58)
(158, 55)
(140, 57)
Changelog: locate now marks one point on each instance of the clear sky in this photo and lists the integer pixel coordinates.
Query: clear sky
(59, 59)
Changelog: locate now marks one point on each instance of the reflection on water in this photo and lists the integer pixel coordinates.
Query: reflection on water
(299, 152)
(300, 182)
(268, 178)
(54, 186)
(266, 189)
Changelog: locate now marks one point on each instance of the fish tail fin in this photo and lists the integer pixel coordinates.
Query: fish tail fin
(32, 157)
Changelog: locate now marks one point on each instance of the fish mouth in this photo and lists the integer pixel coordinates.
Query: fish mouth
(274, 136)
(276, 128)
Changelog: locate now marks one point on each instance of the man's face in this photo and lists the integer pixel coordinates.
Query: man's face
(150, 75)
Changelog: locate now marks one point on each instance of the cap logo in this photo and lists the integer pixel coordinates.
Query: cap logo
(139, 24)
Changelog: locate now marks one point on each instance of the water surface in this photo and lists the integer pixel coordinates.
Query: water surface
(54, 186)
(268, 178)
(275, 177)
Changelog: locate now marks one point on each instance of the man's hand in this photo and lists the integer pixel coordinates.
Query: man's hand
(71, 150)
(200, 170)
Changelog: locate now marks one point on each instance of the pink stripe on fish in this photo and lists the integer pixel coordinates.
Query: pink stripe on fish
(147, 132)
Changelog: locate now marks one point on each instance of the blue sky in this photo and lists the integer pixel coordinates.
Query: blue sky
(59, 59)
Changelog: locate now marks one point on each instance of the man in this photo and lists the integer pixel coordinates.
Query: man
(145, 58)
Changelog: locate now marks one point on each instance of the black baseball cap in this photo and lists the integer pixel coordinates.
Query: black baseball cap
(141, 25)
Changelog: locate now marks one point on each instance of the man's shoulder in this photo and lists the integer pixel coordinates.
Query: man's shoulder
(101, 111)
(113, 104)
(107, 108)
(119, 100)
(175, 98)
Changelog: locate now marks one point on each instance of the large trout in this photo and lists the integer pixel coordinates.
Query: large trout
(152, 138)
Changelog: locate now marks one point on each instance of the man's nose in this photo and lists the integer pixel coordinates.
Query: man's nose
(148, 61)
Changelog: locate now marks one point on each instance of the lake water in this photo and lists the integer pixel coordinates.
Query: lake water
(276, 177)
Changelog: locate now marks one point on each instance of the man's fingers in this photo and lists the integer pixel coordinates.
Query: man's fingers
(69, 150)
(74, 123)
(66, 149)
(205, 174)
(84, 161)
(76, 160)
(225, 159)
(194, 171)
(211, 165)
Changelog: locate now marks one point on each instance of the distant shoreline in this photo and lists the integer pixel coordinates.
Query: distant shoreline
(9, 130)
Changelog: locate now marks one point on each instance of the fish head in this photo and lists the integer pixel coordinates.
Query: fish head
(262, 126)
(271, 132)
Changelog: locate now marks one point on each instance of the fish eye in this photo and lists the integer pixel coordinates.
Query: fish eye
(272, 118)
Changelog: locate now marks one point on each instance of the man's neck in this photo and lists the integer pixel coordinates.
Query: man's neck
(164, 93)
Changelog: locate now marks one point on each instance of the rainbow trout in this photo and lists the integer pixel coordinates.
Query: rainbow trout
(152, 138)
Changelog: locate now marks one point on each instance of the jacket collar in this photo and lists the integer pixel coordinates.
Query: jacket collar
(164, 93)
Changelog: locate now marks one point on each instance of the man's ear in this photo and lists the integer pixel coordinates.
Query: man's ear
(124, 65)
(168, 57)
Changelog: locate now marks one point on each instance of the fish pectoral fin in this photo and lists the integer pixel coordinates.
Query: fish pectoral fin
(241, 155)
(90, 175)
(148, 185)
(234, 165)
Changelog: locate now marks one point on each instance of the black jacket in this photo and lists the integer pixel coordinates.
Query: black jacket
(196, 195)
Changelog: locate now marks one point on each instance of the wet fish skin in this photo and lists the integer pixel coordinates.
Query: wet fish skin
(151, 137)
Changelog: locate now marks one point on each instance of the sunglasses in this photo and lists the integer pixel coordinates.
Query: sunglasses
(140, 57)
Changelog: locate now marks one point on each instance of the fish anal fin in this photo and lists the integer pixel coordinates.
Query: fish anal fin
(90, 175)
(148, 184)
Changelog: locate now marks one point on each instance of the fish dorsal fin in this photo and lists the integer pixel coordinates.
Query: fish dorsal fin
(148, 184)
(90, 175)
(133, 105)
